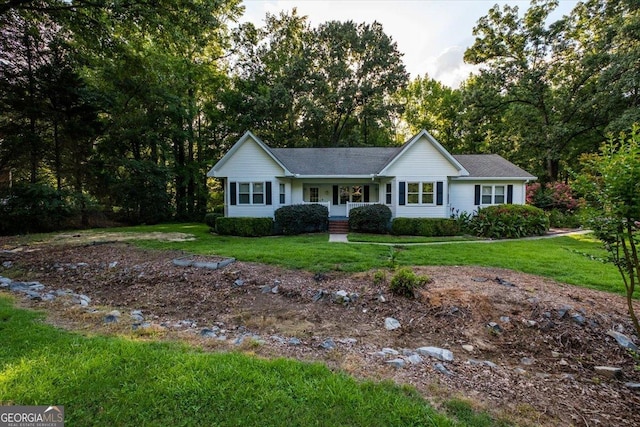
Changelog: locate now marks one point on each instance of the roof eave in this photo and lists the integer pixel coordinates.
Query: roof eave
(494, 178)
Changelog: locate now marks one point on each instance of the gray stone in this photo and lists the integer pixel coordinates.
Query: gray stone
(414, 359)
(494, 327)
(275, 289)
(63, 292)
(609, 371)
(278, 339)
(468, 348)
(528, 361)
(208, 333)
(519, 371)
(113, 264)
(407, 352)
(5, 281)
(136, 315)
(143, 325)
(110, 318)
(319, 295)
(480, 279)
(623, 340)
(529, 323)
(436, 352)
(18, 286)
(35, 286)
(348, 341)
(390, 351)
(33, 295)
(226, 262)
(294, 341)
(505, 319)
(48, 297)
(82, 264)
(578, 318)
(238, 283)
(115, 313)
(341, 297)
(7, 264)
(396, 363)
(633, 386)
(83, 300)
(442, 369)
(504, 282)
(562, 311)
(381, 298)
(391, 324)
(328, 344)
(488, 363)
(183, 262)
(266, 289)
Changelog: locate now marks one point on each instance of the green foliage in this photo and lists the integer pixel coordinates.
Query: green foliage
(29, 208)
(405, 282)
(610, 182)
(155, 383)
(510, 221)
(370, 219)
(379, 277)
(244, 226)
(427, 227)
(560, 219)
(552, 196)
(210, 219)
(298, 219)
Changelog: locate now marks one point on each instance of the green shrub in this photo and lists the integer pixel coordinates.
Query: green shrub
(29, 208)
(370, 219)
(211, 217)
(244, 226)
(298, 219)
(427, 227)
(510, 221)
(405, 282)
(560, 219)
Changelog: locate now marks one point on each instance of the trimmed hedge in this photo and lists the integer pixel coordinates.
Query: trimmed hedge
(427, 227)
(510, 221)
(245, 227)
(298, 219)
(211, 217)
(370, 219)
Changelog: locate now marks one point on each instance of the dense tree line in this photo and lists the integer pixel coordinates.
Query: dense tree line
(121, 107)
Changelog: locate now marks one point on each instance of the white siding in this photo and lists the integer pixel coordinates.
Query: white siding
(421, 159)
(250, 163)
(463, 193)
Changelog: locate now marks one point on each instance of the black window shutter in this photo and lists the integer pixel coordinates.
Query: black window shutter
(509, 194)
(267, 197)
(402, 193)
(439, 193)
(232, 193)
(335, 194)
(477, 199)
(366, 193)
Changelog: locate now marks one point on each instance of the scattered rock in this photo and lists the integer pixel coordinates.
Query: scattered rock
(7, 264)
(562, 311)
(415, 359)
(505, 319)
(266, 289)
(529, 323)
(633, 386)
(381, 298)
(319, 295)
(503, 282)
(441, 368)
(623, 340)
(110, 318)
(183, 262)
(436, 352)
(328, 344)
(294, 341)
(578, 318)
(482, 362)
(113, 264)
(348, 341)
(83, 300)
(33, 295)
(136, 315)
(396, 363)
(528, 361)
(142, 325)
(275, 289)
(468, 348)
(208, 333)
(238, 282)
(390, 351)
(494, 328)
(35, 286)
(480, 279)
(391, 324)
(609, 371)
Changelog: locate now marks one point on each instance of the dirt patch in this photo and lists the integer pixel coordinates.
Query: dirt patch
(536, 363)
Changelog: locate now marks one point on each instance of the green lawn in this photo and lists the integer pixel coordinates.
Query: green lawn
(119, 381)
(571, 259)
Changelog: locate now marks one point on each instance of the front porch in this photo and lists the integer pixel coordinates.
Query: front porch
(338, 212)
(339, 197)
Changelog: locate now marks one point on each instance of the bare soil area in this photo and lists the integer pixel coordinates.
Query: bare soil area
(535, 365)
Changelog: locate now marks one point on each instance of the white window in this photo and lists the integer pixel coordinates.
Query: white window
(282, 194)
(314, 195)
(388, 194)
(493, 194)
(420, 193)
(251, 193)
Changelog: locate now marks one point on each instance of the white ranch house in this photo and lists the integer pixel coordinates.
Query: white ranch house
(417, 179)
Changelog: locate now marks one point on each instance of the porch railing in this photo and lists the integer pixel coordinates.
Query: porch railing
(327, 204)
(352, 205)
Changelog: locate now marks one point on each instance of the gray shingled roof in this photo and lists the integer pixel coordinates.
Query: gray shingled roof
(371, 160)
(335, 161)
(490, 165)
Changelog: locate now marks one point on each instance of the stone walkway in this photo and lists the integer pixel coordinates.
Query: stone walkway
(343, 238)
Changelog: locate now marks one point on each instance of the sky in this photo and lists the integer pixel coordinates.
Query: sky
(432, 34)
